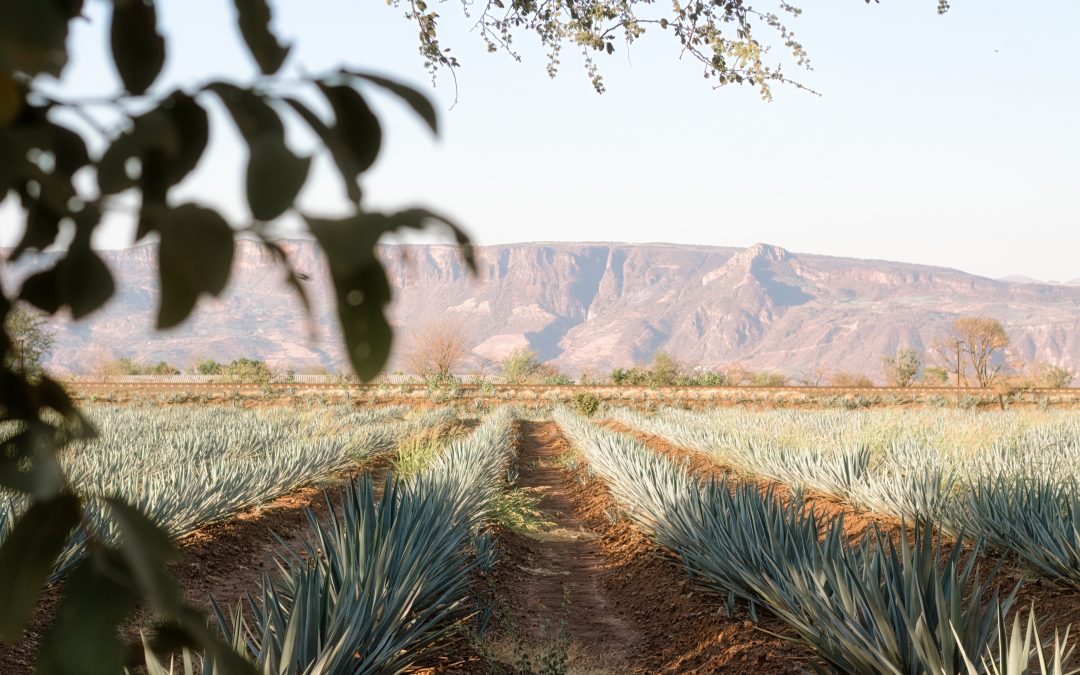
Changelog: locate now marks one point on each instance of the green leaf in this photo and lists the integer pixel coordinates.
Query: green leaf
(11, 102)
(138, 50)
(33, 35)
(108, 586)
(101, 587)
(275, 174)
(254, 117)
(68, 147)
(27, 555)
(360, 286)
(51, 394)
(420, 104)
(293, 278)
(275, 177)
(190, 121)
(356, 126)
(338, 150)
(226, 660)
(168, 141)
(8, 158)
(154, 137)
(112, 175)
(254, 19)
(89, 282)
(419, 218)
(45, 290)
(147, 550)
(42, 228)
(166, 164)
(80, 280)
(195, 255)
(28, 462)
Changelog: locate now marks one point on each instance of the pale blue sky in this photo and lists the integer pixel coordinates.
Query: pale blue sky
(948, 140)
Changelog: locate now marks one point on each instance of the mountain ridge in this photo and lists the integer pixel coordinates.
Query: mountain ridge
(586, 306)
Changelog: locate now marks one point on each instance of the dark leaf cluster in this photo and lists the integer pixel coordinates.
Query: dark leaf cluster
(61, 185)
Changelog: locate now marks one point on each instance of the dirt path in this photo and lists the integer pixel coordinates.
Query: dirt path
(629, 605)
(561, 570)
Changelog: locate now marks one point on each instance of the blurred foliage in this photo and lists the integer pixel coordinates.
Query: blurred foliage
(64, 186)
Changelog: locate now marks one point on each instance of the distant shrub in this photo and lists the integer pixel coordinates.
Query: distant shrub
(586, 403)
(707, 378)
(768, 379)
(208, 367)
(519, 366)
(558, 379)
(851, 380)
(126, 366)
(524, 367)
(665, 370)
(934, 376)
(1052, 376)
(162, 368)
(436, 381)
(247, 371)
(630, 377)
(901, 368)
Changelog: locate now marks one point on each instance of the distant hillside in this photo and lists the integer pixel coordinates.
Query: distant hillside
(591, 307)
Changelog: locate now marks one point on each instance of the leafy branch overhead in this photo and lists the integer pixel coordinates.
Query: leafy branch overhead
(45, 163)
(732, 41)
(62, 187)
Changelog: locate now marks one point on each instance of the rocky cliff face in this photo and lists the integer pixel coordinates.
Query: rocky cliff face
(589, 307)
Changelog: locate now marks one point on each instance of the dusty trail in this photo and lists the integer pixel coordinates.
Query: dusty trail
(629, 604)
(560, 572)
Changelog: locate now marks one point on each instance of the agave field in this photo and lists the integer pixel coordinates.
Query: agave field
(188, 468)
(405, 568)
(877, 606)
(1010, 479)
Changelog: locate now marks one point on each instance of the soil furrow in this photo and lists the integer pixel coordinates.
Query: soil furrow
(1056, 605)
(630, 606)
(562, 573)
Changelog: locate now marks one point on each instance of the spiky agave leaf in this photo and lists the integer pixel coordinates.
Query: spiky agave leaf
(1038, 519)
(1020, 651)
(882, 607)
(379, 581)
(186, 468)
(876, 607)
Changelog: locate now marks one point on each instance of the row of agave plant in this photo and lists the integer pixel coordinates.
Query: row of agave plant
(381, 579)
(188, 467)
(871, 607)
(1018, 490)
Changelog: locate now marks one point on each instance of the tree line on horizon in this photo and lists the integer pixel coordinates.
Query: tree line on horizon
(973, 354)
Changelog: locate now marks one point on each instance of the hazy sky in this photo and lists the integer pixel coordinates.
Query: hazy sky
(948, 140)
